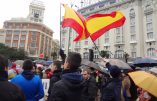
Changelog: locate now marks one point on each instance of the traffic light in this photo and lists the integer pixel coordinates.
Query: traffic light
(91, 55)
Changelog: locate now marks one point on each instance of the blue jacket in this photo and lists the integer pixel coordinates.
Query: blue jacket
(32, 88)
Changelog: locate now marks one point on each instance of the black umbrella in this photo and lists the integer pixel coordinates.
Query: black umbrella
(91, 64)
(145, 62)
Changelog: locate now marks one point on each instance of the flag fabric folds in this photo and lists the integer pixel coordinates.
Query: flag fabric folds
(98, 24)
(94, 25)
(76, 21)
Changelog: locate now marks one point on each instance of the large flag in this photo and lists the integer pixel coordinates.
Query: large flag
(76, 21)
(98, 24)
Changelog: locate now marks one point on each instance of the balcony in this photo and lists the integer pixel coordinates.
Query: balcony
(132, 42)
(119, 43)
(150, 40)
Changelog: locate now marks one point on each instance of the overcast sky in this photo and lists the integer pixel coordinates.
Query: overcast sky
(20, 8)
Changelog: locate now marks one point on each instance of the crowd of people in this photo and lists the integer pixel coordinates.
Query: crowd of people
(69, 82)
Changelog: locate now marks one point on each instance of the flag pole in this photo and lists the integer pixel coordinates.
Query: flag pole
(60, 28)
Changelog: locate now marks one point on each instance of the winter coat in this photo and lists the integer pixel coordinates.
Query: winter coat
(55, 77)
(69, 88)
(9, 91)
(112, 90)
(89, 90)
(30, 84)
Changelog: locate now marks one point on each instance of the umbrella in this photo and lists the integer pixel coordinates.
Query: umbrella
(145, 81)
(117, 62)
(19, 62)
(91, 64)
(49, 62)
(145, 62)
(43, 62)
(153, 70)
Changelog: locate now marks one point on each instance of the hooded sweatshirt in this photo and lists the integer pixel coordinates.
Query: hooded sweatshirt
(30, 84)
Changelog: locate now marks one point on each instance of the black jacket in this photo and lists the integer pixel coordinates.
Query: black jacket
(112, 90)
(69, 88)
(89, 90)
(8, 91)
(55, 77)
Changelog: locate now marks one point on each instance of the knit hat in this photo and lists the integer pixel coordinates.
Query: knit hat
(114, 71)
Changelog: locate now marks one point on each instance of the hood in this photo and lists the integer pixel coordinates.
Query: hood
(28, 74)
(73, 79)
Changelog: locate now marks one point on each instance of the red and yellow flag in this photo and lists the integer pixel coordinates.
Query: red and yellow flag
(98, 24)
(76, 21)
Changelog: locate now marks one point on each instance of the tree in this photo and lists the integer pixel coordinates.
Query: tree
(54, 55)
(104, 54)
(12, 53)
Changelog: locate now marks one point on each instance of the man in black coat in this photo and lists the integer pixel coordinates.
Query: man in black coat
(56, 69)
(8, 91)
(112, 89)
(70, 86)
(90, 88)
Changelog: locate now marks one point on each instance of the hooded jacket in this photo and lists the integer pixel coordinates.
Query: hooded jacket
(69, 88)
(30, 84)
(9, 91)
(112, 90)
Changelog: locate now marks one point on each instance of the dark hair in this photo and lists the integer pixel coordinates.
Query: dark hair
(57, 63)
(28, 64)
(3, 62)
(115, 71)
(74, 60)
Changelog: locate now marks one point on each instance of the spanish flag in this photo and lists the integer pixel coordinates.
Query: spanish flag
(98, 24)
(76, 21)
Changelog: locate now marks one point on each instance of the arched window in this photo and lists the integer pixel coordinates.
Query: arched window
(151, 52)
(85, 55)
(119, 54)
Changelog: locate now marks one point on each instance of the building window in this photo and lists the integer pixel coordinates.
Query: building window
(22, 44)
(149, 27)
(132, 29)
(24, 32)
(86, 42)
(97, 42)
(107, 34)
(33, 36)
(17, 32)
(118, 30)
(8, 38)
(8, 44)
(14, 45)
(96, 55)
(149, 17)
(150, 35)
(16, 38)
(133, 51)
(106, 40)
(133, 37)
(8, 32)
(151, 52)
(132, 21)
(119, 54)
(23, 37)
(33, 44)
(85, 55)
(118, 39)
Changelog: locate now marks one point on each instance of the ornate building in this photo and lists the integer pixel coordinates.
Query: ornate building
(138, 36)
(30, 33)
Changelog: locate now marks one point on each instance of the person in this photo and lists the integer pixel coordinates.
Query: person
(30, 84)
(90, 88)
(56, 69)
(70, 86)
(14, 67)
(8, 91)
(112, 89)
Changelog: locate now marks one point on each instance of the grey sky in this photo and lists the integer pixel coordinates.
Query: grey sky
(20, 8)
